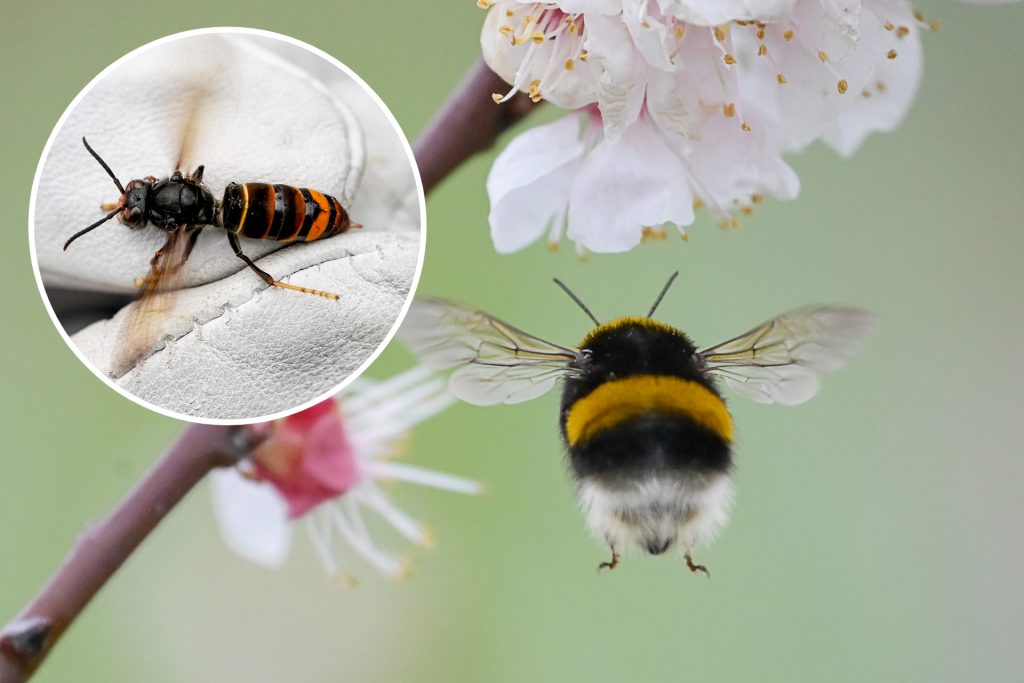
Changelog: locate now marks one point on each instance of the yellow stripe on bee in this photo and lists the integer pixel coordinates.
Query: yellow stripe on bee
(618, 401)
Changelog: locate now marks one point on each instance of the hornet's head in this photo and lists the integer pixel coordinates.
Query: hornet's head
(130, 207)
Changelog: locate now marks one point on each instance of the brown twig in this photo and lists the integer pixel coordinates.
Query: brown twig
(101, 550)
(469, 122)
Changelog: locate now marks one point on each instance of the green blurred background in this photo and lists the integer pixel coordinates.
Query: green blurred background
(877, 532)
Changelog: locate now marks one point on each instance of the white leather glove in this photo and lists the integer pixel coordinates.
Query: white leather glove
(234, 348)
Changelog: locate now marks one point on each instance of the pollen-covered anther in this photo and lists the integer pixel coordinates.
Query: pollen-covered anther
(781, 78)
(729, 59)
(484, 4)
(649, 234)
(902, 31)
(762, 50)
(497, 97)
(537, 37)
(788, 35)
(891, 54)
(747, 210)
(823, 56)
(729, 109)
(745, 126)
(569, 64)
(719, 34)
(535, 93)
(842, 86)
(757, 197)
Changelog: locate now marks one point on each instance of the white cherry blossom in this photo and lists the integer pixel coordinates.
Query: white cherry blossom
(607, 193)
(696, 100)
(324, 466)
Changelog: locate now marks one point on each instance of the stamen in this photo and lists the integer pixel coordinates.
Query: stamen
(402, 523)
(399, 471)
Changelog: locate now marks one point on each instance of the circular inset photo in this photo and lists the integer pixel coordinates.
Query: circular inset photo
(227, 225)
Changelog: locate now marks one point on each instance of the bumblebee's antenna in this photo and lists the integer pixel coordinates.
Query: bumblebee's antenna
(576, 299)
(664, 290)
(105, 168)
(92, 227)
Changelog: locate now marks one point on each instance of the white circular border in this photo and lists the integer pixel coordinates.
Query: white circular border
(419, 192)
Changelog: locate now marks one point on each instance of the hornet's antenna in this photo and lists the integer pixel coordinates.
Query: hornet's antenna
(104, 165)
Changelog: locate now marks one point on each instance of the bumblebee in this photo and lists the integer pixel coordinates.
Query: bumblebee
(648, 434)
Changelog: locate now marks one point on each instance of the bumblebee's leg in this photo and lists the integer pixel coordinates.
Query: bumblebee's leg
(612, 563)
(268, 278)
(696, 567)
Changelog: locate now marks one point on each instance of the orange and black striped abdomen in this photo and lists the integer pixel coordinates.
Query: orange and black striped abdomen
(282, 212)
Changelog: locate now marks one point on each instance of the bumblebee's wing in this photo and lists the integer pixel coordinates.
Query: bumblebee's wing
(146, 321)
(779, 361)
(494, 362)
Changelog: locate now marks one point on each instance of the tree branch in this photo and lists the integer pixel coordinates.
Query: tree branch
(101, 550)
(469, 122)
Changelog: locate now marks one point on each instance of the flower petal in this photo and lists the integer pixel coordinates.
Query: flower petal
(882, 104)
(529, 182)
(625, 185)
(716, 12)
(252, 518)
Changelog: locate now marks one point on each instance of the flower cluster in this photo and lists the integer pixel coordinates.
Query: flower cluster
(682, 104)
(323, 466)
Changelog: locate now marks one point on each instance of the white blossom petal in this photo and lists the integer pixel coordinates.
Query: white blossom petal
(882, 104)
(625, 185)
(717, 12)
(529, 182)
(252, 518)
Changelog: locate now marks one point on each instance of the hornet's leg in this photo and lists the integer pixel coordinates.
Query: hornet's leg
(612, 563)
(268, 278)
(197, 175)
(696, 567)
